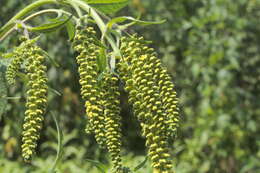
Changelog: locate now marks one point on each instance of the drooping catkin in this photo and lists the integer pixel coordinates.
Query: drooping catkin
(18, 54)
(111, 105)
(85, 43)
(36, 100)
(149, 92)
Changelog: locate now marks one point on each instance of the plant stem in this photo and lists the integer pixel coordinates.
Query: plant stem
(99, 21)
(47, 11)
(35, 15)
(10, 24)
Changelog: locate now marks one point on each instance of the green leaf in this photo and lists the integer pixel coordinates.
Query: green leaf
(108, 6)
(134, 21)
(102, 61)
(3, 93)
(52, 26)
(70, 29)
(98, 165)
(60, 146)
(52, 60)
(55, 91)
(23, 77)
(141, 164)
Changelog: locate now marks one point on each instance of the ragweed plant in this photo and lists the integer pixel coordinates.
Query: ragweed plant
(106, 61)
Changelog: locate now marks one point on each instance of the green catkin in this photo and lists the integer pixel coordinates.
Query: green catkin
(85, 43)
(166, 90)
(13, 68)
(36, 99)
(19, 53)
(150, 95)
(111, 96)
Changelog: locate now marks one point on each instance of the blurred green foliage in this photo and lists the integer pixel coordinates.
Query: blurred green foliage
(212, 50)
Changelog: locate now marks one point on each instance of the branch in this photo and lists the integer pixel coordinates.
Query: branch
(35, 15)
(10, 24)
(99, 21)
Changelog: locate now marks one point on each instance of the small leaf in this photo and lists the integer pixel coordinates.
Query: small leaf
(98, 165)
(102, 61)
(108, 6)
(52, 60)
(141, 164)
(3, 93)
(112, 62)
(55, 91)
(23, 77)
(135, 21)
(12, 98)
(70, 29)
(50, 27)
(60, 146)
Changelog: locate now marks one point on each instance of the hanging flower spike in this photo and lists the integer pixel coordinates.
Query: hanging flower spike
(111, 96)
(84, 43)
(166, 89)
(36, 99)
(18, 54)
(154, 119)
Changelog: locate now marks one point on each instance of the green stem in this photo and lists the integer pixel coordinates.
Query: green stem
(10, 24)
(48, 11)
(99, 21)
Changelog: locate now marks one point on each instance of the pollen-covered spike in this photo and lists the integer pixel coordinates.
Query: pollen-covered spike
(84, 42)
(36, 99)
(146, 96)
(19, 54)
(111, 97)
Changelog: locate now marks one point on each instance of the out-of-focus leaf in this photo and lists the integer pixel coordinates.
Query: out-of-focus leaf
(55, 91)
(23, 77)
(141, 164)
(3, 93)
(134, 21)
(60, 146)
(108, 6)
(98, 165)
(52, 60)
(102, 59)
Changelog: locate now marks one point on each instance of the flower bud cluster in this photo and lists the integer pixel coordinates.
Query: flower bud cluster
(153, 98)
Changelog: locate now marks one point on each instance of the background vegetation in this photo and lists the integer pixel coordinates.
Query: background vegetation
(211, 48)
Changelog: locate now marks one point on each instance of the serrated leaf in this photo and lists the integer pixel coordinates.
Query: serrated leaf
(52, 26)
(134, 21)
(108, 6)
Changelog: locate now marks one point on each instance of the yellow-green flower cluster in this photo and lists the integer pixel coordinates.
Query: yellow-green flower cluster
(153, 98)
(18, 55)
(111, 96)
(85, 43)
(36, 99)
(102, 98)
